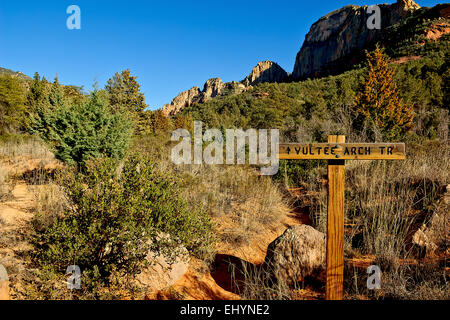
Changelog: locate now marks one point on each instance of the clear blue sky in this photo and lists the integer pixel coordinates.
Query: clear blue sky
(170, 45)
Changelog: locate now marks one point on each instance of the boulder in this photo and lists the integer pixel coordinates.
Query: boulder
(163, 271)
(295, 254)
(435, 232)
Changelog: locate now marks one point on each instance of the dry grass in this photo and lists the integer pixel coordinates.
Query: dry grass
(27, 155)
(386, 202)
(19, 147)
(422, 282)
(257, 284)
(240, 202)
(390, 196)
(51, 203)
(414, 281)
(4, 187)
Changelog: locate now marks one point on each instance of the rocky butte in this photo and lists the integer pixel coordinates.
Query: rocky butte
(265, 71)
(341, 33)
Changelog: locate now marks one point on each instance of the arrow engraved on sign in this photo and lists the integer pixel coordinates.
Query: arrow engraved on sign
(288, 150)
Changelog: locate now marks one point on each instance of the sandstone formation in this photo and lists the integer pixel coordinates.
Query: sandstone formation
(334, 42)
(265, 71)
(183, 100)
(342, 33)
(438, 30)
(234, 87)
(212, 88)
(296, 253)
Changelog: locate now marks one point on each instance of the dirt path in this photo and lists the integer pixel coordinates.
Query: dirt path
(17, 210)
(15, 214)
(199, 284)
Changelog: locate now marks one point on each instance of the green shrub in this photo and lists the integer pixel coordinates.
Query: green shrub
(83, 131)
(125, 96)
(119, 210)
(296, 173)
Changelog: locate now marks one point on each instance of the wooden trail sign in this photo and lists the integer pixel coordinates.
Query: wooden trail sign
(336, 151)
(343, 151)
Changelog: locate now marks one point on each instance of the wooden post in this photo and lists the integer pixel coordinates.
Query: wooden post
(336, 151)
(335, 225)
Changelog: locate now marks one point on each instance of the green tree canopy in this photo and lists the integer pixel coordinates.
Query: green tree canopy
(125, 96)
(13, 110)
(79, 132)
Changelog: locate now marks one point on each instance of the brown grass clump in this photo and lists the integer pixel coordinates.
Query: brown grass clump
(4, 187)
(241, 202)
(50, 203)
(386, 203)
(16, 148)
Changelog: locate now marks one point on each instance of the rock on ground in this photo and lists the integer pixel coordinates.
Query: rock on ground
(163, 271)
(435, 232)
(296, 253)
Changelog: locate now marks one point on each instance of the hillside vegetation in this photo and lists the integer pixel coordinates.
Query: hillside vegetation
(105, 192)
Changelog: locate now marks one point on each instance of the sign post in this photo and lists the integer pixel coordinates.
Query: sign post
(336, 151)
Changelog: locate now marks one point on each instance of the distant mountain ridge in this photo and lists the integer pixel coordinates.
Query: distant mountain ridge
(334, 44)
(17, 74)
(264, 71)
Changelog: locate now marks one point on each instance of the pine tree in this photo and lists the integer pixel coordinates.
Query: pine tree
(125, 96)
(56, 95)
(183, 120)
(37, 95)
(178, 121)
(79, 132)
(378, 105)
(14, 114)
(160, 122)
